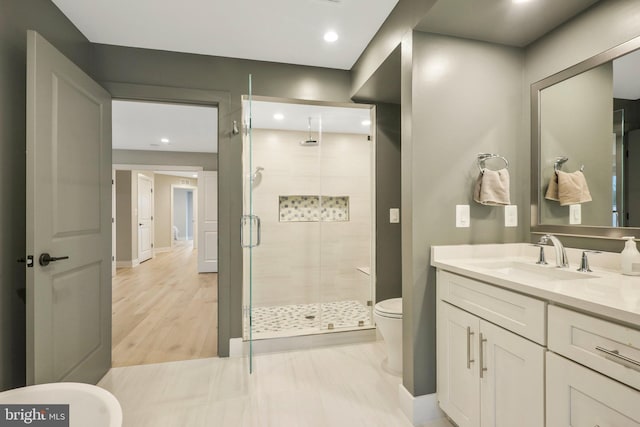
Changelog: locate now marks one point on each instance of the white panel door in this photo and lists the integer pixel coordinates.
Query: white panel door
(457, 358)
(113, 223)
(512, 384)
(207, 222)
(145, 218)
(68, 233)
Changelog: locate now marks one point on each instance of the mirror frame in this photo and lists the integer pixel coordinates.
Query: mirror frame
(601, 232)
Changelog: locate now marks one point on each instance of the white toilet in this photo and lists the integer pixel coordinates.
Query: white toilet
(388, 316)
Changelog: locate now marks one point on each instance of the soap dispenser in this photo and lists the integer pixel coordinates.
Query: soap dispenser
(630, 258)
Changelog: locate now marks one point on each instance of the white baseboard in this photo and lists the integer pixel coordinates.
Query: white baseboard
(127, 264)
(236, 347)
(159, 250)
(420, 409)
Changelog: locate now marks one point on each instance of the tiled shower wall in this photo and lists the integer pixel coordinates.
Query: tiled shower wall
(316, 261)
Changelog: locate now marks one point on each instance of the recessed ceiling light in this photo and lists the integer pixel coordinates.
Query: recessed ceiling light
(366, 122)
(278, 116)
(165, 140)
(521, 1)
(195, 175)
(330, 36)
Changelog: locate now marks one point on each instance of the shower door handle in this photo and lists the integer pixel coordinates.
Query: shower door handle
(258, 230)
(249, 219)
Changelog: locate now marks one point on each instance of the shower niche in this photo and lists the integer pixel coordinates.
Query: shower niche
(308, 224)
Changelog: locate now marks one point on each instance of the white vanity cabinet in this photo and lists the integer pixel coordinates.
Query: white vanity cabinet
(489, 376)
(579, 396)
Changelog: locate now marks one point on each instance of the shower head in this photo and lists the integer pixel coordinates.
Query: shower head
(309, 142)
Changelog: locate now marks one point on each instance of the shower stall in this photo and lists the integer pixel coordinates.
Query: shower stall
(308, 224)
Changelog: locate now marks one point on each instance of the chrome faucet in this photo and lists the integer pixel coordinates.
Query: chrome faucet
(561, 255)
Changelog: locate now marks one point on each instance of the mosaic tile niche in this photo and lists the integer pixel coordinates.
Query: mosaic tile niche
(313, 208)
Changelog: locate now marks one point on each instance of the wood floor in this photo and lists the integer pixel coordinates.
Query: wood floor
(164, 311)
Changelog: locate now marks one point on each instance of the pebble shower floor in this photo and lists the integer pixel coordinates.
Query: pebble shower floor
(298, 318)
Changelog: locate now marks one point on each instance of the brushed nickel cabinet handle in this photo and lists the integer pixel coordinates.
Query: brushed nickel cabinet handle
(469, 359)
(482, 368)
(624, 360)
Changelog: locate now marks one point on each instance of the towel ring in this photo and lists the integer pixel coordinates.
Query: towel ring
(557, 164)
(482, 157)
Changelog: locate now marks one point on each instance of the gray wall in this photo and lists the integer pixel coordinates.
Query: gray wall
(388, 236)
(460, 97)
(603, 26)
(208, 161)
(230, 76)
(124, 216)
(402, 20)
(16, 17)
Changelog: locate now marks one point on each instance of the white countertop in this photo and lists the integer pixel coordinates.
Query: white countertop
(604, 292)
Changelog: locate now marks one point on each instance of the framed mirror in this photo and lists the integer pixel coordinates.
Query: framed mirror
(585, 147)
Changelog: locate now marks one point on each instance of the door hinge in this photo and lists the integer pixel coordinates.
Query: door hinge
(113, 258)
(151, 217)
(112, 182)
(152, 245)
(152, 190)
(113, 220)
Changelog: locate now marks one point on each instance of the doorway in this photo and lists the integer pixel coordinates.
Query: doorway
(164, 308)
(183, 215)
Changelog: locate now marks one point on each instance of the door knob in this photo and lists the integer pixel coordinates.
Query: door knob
(45, 259)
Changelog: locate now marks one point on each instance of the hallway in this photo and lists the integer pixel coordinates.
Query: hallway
(164, 311)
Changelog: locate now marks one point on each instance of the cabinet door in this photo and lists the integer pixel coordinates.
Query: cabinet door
(458, 379)
(580, 397)
(512, 384)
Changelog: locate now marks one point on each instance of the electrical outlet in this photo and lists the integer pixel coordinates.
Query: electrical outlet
(511, 216)
(394, 216)
(462, 216)
(575, 214)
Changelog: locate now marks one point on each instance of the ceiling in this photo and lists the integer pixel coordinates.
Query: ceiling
(138, 125)
(509, 22)
(287, 31)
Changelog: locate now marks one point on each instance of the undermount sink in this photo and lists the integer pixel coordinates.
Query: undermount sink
(533, 271)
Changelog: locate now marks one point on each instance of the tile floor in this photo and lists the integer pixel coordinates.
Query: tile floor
(331, 386)
(295, 319)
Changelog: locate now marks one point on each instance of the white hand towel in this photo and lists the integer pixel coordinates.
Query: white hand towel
(492, 188)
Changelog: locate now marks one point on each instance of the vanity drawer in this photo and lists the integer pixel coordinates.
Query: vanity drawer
(579, 397)
(518, 313)
(607, 347)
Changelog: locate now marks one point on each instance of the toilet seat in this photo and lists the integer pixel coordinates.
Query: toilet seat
(391, 308)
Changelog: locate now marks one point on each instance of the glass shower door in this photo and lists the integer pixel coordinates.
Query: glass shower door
(250, 226)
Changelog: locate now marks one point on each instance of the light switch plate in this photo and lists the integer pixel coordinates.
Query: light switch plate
(394, 215)
(462, 216)
(511, 216)
(575, 214)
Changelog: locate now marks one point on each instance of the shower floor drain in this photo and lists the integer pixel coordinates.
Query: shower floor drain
(310, 317)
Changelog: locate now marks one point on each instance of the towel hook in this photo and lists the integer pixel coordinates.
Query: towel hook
(557, 164)
(482, 157)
